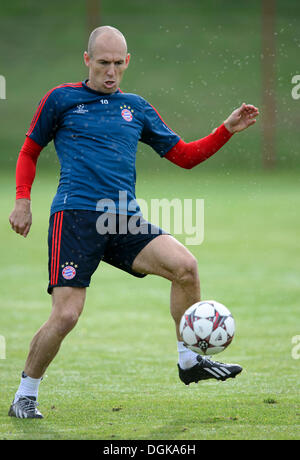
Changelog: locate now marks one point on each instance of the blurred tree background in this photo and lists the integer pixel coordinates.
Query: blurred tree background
(195, 61)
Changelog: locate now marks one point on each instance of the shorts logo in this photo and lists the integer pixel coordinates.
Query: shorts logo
(69, 271)
(126, 113)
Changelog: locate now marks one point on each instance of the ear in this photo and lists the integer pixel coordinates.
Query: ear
(127, 59)
(86, 58)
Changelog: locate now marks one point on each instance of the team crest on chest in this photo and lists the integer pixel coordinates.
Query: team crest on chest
(127, 112)
(69, 270)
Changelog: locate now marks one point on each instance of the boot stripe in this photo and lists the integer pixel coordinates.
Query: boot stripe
(212, 372)
(226, 370)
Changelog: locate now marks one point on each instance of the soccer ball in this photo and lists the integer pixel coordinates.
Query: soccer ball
(207, 327)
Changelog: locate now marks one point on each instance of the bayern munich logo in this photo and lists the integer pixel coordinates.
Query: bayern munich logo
(69, 272)
(126, 113)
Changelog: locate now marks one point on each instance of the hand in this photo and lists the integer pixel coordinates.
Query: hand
(241, 118)
(21, 217)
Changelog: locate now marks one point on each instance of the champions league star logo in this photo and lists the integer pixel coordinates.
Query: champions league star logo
(80, 109)
(69, 270)
(126, 112)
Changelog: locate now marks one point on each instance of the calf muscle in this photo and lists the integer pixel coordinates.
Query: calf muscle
(66, 309)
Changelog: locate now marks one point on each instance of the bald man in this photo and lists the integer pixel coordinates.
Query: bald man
(96, 129)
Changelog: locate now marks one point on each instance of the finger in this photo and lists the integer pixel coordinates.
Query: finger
(12, 223)
(242, 108)
(250, 115)
(26, 230)
(251, 109)
(16, 229)
(250, 106)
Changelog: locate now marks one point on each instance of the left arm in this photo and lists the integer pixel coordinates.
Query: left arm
(188, 155)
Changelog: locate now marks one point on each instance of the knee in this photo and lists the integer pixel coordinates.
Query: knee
(67, 306)
(66, 320)
(187, 271)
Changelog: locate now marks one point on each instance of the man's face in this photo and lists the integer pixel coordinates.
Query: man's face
(107, 63)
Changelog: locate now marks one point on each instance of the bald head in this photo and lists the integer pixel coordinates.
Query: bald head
(107, 59)
(102, 36)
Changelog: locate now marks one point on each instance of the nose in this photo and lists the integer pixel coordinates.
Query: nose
(111, 70)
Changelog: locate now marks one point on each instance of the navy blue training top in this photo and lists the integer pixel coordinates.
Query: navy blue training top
(96, 137)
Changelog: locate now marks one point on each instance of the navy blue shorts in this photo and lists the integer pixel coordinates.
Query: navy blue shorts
(78, 240)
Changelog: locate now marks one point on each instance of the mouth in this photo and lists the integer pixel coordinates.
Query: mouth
(109, 84)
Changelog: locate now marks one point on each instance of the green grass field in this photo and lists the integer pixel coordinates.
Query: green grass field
(115, 376)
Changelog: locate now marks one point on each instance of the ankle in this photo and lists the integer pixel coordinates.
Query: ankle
(186, 358)
(28, 387)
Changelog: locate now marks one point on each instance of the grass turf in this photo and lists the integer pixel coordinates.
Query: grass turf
(115, 376)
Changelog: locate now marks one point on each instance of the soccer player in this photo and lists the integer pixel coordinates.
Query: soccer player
(96, 128)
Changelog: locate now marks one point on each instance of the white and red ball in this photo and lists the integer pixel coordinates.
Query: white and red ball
(207, 327)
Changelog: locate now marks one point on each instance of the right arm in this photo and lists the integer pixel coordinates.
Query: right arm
(21, 218)
(41, 131)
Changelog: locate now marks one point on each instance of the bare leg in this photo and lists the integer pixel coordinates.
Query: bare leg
(165, 256)
(182, 297)
(67, 305)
